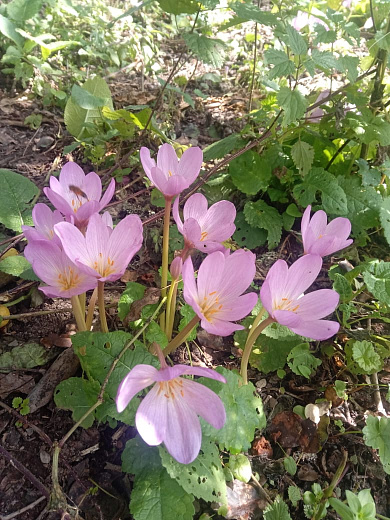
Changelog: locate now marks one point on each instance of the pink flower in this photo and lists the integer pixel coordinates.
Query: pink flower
(44, 221)
(217, 297)
(171, 176)
(63, 278)
(204, 228)
(282, 296)
(102, 252)
(320, 238)
(176, 267)
(316, 115)
(169, 412)
(78, 195)
(302, 19)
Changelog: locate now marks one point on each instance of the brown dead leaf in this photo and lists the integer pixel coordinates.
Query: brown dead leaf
(15, 382)
(129, 276)
(307, 473)
(262, 447)
(330, 395)
(151, 296)
(54, 340)
(286, 429)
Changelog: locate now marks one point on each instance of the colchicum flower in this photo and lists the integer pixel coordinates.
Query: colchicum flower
(63, 278)
(44, 221)
(102, 252)
(320, 238)
(171, 175)
(216, 296)
(78, 195)
(205, 229)
(282, 296)
(169, 412)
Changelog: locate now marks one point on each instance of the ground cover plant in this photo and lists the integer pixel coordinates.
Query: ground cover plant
(194, 259)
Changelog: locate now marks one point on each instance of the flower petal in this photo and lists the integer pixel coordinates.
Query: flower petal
(220, 327)
(209, 275)
(108, 194)
(218, 222)
(317, 329)
(152, 417)
(318, 223)
(266, 296)
(176, 215)
(288, 318)
(92, 186)
(195, 207)
(237, 275)
(340, 227)
(71, 174)
(191, 231)
(190, 164)
(305, 220)
(301, 275)
(204, 402)
(140, 377)
(240, 308)
(317, 304)
(185, 370)
(167, 159)
(147, 162)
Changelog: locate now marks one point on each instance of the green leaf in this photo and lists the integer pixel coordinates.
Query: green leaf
(9, 30)
(22, 10)
(78, 395)
(325, 60)
(270, 354)
(384, 215)
(209, 50)
(203, 477)
(247, 235)
(296, 41)
(16, 192)
(293, 103)
(343, 287)
(290, 465)
(301, 361)
(341, 509)
(244, 412)
(277, 511)
(294, 495)
(134, 291)
(323, 35)
(252, 13)
(29, 355)
(334, 200)
(156, 496)
(250, 173)
(259, 214)
(349, 65)
(302, 154)
(282, 65)
(17, 266)
(187, 313)
(138, 456)
(219, 149)
(366, 357)
(377, 279)
(77, 117)
(154, 334)
(86, 100)
(179, 6)
(241, 467)
(377, 435)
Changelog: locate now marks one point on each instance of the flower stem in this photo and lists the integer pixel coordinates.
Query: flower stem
(171, 308)
(78, 313)
(181, 337)
(82, 298)
(102, 310)
(248, 347)
(165, 251)
(91, 308)
(256, 322)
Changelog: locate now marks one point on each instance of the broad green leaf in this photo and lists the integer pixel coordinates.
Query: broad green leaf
(325, 60)
(22, 10)
(290, 465)
(277, 511)
(16, 192)
(134, 291)
(154, 334)
(259, 214)
(301, 361)
(78, 395)
(349, 65)
(377, 278)
(293, 104)
(334, 200)
(282, 65)
(343, 287)
(204, 477)
(9, 30)
(76, 117)
(323, 35)
(377, 435)
(366, 357)
(18, 266)
(341, 509)
(294, 495)
(250, 173)
(49, 48)
(29, 355)
(179, 6)
(247, 235)
(247, 12)
(302, 154)
(270, 354)
(187, 313)
(157, 496)
(220, 148)
(241, 467)
(209, 50)
(244, 412)
(138, 456)
(296, 41)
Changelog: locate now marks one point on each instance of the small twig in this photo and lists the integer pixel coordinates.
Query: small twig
(261, 489)
(338, 152)
(23, 510)
(33, 314)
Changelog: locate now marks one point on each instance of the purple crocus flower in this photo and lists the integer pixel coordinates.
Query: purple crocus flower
(169, 412)
(205, 229)
(63, 278)
(78, 195)
(44, 221)
(321, 238)
(102, 252)
(171, 175)
(216, 296)
(282, 296)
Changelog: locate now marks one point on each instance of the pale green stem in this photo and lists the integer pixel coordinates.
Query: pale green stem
(102, 309)
(91, 308)
(256, 322)
(248, 347)
(165, 251)
(78, 313)
(181, 337)
(82, 298)
(171, 308)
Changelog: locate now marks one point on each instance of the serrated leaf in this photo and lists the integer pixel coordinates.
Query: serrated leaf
(247, 235)
(208, 50)
(301, 360)
(16, 192)
(377, 279)
(296, 41)
(377, 435)
(248, 12)
(294, 495)
(138, 455)
(324, 35)
(22, 10)
(366, 357)
(270, 354)
(134, 291)
(9, 30)
(293, 104)
(277, 511)
(290, 465)
(334, 200)
(244, 412)
(282, 65)
(187, 313)
(349, 65)
(241, 467)
(17, 266)
(250, 173)
(325, 59)
(78, 395)
(302, 154)
(179, 6)
(29, 355)
(343, 287)
(204, 477)
(220, 148)
(259, 214)
(154, 334)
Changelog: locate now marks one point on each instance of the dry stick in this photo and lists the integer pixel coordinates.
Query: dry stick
(33, 314)
(23, 510)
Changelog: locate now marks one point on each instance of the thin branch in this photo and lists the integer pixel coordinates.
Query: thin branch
(23, 510)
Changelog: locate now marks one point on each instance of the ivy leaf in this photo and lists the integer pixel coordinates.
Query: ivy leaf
(296, 41)
(377, 279)
(244, 412)
(259, 214)
(302, 154)
(250, 173)
(16, 192)
(203, 477)
(277, 511)
(377, 435)
(282, 65)
(301, 361)
(334, 200)
(209, 50)
(78, 395)
(293, 103)
(366, 357)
